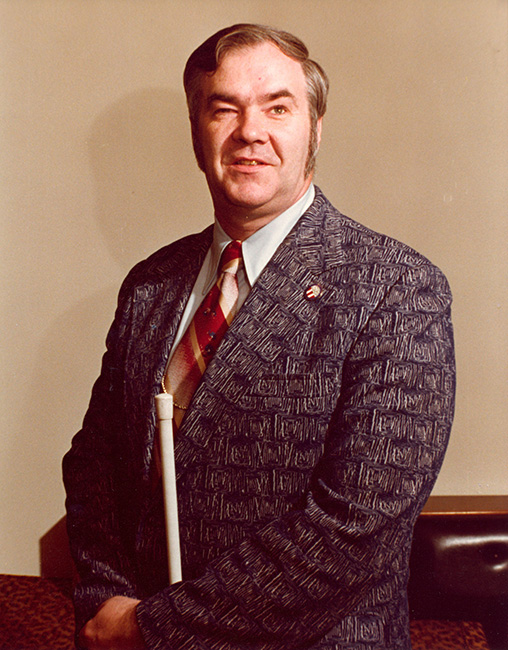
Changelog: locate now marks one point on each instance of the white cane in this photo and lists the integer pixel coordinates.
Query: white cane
(164, 408)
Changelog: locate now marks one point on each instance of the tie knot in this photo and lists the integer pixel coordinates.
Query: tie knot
(231, 257)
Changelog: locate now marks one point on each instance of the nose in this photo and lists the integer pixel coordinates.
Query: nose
(250, 127)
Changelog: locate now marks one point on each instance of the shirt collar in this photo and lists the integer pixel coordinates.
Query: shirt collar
(259, 248)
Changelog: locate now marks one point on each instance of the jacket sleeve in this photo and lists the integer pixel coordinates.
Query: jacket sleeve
(299, 575)
(89, 472)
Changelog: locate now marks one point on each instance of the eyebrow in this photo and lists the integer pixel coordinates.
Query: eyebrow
(284, 93)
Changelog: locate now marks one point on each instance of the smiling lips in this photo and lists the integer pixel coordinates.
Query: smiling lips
(249, 162)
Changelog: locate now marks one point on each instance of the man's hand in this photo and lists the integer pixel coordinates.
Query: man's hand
(114, 627)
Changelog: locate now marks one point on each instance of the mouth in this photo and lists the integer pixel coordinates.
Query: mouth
(248, 162)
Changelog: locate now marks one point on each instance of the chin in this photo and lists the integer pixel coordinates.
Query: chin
(249, 197)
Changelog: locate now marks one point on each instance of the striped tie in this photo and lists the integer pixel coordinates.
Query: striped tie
(205, 332)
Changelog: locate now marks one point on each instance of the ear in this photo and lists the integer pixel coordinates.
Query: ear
(319, 128)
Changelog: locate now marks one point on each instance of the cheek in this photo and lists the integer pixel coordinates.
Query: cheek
(297, 153)
(214, 143)
(294, 143)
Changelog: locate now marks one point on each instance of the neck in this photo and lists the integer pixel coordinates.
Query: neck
(241, 227)
(240, 222)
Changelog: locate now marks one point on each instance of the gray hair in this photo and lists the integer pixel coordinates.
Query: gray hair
(208, 56)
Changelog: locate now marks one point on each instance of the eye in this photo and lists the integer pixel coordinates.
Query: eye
(222, 111)
(279, 110)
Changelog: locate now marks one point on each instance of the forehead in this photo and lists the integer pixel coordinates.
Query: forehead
(256, 70)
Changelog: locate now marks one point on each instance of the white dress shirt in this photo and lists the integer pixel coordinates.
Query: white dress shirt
(257, 250)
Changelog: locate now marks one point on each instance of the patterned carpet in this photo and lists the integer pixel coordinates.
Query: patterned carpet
(35, 614)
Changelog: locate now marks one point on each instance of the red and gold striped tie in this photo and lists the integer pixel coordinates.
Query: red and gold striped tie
(205, 332)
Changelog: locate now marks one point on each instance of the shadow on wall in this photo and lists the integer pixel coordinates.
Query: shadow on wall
(142, 160)
(148, 193)
(55, 556)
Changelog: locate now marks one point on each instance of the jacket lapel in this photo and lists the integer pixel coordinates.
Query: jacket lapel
(158, 305)
(278, 316)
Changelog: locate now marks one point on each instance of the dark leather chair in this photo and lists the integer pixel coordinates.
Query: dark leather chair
(459, 565)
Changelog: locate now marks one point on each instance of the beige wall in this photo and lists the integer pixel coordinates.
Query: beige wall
(96, 171)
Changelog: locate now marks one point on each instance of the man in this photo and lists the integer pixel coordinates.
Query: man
(315, 434)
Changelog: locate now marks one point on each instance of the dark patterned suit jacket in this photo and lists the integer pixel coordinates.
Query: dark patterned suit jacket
(308, 451)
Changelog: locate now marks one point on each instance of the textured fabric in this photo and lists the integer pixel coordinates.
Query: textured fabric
(447, 635)
(35, 613)
(205, 332)
(307, 452)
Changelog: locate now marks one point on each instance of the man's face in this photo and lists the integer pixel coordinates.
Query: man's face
(254, 131)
